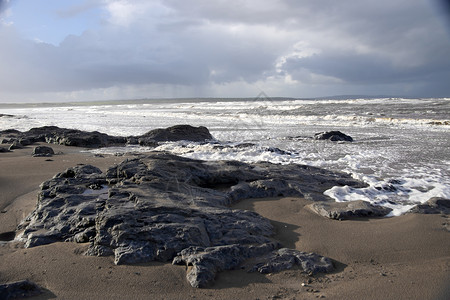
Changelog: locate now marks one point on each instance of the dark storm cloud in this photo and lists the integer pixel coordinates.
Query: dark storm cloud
(199, 43)
(364, 68)
(3, 5)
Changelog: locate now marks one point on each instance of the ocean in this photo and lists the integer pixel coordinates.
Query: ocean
(400, 148)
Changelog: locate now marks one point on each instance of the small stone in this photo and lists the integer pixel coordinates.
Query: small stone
(348, 209)
(16, 145)
(42, 151)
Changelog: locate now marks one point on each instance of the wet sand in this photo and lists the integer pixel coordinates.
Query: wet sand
(405, 257)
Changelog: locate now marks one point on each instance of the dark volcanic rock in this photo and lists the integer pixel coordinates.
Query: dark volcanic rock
(283, 259)
(204, 263)
(348, 210)
(3, 149)
(435, 205)
(176, 133)
(334, 136)
(158, 206)
(19, 290)
(42, 151)
(16, 145)
(64, 136)
(78, 138)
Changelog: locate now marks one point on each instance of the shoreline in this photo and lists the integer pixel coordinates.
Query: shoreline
(402, 257)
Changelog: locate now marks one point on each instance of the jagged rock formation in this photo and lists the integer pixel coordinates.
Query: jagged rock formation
(348, 209)
(161, 206)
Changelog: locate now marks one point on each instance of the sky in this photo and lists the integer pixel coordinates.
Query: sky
(53, 50)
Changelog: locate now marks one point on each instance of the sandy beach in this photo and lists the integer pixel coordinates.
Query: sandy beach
(406, 257)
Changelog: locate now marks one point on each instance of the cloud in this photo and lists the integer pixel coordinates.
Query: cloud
(286, 46)
(78, 9)
(4, 11)
(3, 4)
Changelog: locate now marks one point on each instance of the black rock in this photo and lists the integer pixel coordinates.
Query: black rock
(42, 151)
(64, 136)
(19, 290)
(94, 139)
(6, 116)
(204, 263)
(284, 259)
(145, 141)
(8, 136)
(435, 205)
(348, 209)
(16, 145)
(160, 206)
(3, 149)
(334, 136)
(25, 141)
(278, 151)
(177, 133)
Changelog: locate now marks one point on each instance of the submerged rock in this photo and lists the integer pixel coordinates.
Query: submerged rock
(348, 209)
(334, 136)
(161, 206)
